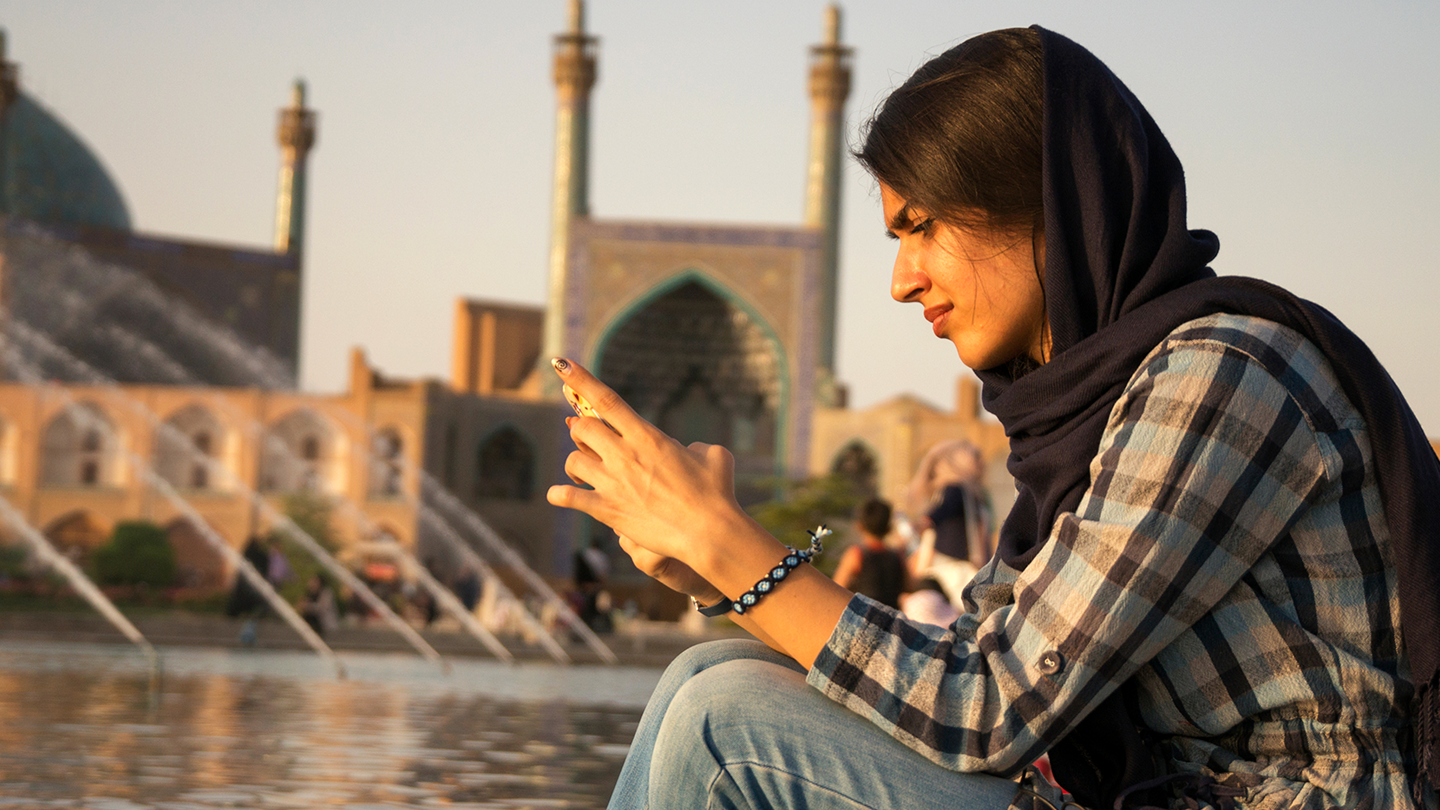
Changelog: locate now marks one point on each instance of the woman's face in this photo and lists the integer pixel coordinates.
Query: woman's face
(980, 290)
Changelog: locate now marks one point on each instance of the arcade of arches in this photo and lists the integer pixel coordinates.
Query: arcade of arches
(73, 463)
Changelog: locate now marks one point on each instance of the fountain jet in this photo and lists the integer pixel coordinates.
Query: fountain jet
(82, 584)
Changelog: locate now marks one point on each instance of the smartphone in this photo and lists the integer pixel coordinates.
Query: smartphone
(582, 407)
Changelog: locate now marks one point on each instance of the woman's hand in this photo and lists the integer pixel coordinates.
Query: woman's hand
(674, 508)
(671, 573)
(677, 503)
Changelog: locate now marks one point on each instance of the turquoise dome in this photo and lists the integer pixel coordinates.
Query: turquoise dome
(48, 175)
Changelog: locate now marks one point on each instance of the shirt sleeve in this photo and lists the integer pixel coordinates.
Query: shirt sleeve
(1205, 462)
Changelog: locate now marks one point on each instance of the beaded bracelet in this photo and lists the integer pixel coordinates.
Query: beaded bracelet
(778, 574)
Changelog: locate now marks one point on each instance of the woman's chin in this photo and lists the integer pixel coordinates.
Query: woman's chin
(965, 358)
(981, 360)
(969, 355)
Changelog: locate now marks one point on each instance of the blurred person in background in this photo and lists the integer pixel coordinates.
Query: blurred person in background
(954, 524)
(317, 606)
(869, 566)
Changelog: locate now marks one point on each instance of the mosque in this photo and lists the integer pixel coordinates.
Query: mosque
(714, 332)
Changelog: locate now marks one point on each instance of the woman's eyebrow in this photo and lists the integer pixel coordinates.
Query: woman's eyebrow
(901, 219)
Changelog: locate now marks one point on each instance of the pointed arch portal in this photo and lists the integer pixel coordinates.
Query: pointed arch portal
(701, 364)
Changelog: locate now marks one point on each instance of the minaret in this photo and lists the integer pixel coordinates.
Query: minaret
(574, 77)
(9, 91)
(829, 87)
(296, 135)
(9, 77)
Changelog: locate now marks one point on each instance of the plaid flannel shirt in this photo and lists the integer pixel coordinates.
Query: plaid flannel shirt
(1230, 557)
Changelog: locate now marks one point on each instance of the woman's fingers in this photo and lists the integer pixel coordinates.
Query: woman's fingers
(568, 497)
(596, 438)
(582, 468)
(607, 404)
(669, 572)
(643, 558)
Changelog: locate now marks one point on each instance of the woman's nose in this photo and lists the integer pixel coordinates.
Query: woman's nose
(907, 281)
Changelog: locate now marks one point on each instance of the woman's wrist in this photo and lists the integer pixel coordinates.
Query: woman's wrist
(707, 596)
(742, 553)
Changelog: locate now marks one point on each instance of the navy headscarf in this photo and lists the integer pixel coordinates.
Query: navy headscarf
(1122, 271)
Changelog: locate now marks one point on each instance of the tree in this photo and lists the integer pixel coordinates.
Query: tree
(804, 505)
(138, 552)
(310, 511)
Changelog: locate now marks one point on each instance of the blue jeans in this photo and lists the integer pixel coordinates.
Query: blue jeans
(733, 724)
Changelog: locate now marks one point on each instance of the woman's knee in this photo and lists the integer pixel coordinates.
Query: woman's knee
(758, 732)
(712, 653)
(730, 702)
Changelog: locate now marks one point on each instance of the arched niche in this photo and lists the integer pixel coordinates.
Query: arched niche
(302, 451)
(194, 436)
(387, 463)
(859, 465)
(505, 465)
(197, 563)
(77, 534)
(79, 448)
(700, 363)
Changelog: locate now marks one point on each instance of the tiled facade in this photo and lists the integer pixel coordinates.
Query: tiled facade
(766, 279)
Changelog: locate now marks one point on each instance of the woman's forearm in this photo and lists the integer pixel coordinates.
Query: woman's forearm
(759, 633)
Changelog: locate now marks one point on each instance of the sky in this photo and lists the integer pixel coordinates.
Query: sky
(1310, 133)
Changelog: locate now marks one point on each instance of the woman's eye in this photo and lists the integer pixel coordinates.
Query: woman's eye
(923, 226)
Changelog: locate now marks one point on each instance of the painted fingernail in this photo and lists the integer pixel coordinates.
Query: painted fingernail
(561, 364)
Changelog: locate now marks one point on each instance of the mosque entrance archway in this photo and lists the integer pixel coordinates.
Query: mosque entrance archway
(697, 361)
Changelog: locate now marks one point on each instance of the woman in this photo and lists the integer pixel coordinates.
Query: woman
(954, 520)
(1198, 596)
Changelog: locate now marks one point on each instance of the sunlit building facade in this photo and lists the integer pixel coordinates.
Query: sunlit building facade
(717, 333)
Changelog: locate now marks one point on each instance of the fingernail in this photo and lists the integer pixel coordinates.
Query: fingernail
(561, 364)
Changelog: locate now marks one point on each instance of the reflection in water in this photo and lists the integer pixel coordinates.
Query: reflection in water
(81, 729)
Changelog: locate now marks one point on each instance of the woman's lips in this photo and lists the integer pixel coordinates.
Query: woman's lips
(937, 316)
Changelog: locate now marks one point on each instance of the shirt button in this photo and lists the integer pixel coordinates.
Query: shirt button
(1051, 662)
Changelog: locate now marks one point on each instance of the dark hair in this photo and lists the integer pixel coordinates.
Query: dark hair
(961, 138)
(874, 517)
